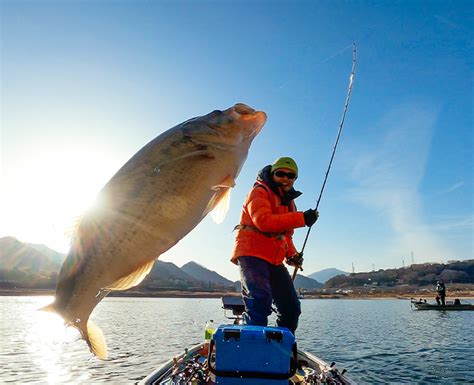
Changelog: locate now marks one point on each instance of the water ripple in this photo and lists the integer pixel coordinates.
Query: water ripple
(377, 341)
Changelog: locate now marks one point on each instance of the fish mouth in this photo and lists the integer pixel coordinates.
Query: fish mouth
(241, 119)
(247, 113)
(243, 109)
(262, 118)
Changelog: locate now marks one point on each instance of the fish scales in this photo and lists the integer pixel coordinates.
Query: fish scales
(151, 203)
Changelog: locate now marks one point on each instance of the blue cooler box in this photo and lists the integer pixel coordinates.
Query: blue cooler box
(253, 355)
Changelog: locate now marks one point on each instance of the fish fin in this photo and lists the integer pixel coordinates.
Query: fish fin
(203, 153)
(49, 308)
(229, 181)
(96, 340)
(72, 227)
(132, 279)
(92, 334)
(219, 204)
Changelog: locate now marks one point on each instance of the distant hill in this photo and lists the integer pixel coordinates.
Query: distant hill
(168, 275)
(302, 282)
(16, 255)
(416, 275)
(25, 265)
(326, 274)
(53, 255)
(201, 273)
(168, 270)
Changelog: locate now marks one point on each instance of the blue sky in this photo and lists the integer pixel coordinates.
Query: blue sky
(85, 84)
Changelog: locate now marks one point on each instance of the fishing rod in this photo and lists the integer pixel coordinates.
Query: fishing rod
(341, 125)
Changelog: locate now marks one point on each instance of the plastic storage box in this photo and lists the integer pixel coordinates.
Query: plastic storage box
(246, 354)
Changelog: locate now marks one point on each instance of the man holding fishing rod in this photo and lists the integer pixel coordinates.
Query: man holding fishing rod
(264, 241)
(264, 237)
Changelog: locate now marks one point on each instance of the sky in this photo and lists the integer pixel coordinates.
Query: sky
(86, 84)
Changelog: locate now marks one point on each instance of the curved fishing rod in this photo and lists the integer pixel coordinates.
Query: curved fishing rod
(341, 125)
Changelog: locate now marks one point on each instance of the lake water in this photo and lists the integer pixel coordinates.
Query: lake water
(377, 341)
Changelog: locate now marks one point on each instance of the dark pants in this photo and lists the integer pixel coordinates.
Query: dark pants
(442, 297)
(264, 283)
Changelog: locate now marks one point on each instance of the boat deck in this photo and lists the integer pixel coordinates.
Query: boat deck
(191, 367)
(197, 365)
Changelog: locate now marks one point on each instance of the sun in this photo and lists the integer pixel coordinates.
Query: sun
(41, 205)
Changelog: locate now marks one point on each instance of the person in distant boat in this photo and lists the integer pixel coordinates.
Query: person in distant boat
(441, 289)
(264, 241)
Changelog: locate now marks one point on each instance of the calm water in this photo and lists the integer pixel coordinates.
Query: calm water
(378, 341)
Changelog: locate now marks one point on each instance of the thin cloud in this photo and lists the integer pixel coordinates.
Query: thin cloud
(454, 187)
(457, 224)
(389, 172)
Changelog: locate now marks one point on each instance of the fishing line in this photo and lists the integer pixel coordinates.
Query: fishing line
(341, 125)
(337, 53)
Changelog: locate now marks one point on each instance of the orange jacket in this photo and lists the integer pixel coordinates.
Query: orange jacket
(268, 226)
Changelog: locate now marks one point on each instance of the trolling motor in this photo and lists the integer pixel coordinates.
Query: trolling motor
(236, 305)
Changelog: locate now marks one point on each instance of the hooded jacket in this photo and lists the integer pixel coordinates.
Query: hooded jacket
(267, 222)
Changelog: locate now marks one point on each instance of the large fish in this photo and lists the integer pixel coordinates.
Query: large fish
(152, 202)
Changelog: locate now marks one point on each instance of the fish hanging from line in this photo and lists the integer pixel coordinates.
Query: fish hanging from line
(151, 203)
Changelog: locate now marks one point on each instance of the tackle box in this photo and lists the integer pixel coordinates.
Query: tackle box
(253, 355)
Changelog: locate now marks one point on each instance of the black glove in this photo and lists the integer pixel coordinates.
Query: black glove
(295, 260)
(310, 217)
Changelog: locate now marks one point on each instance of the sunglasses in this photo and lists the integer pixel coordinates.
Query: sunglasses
(289, 175)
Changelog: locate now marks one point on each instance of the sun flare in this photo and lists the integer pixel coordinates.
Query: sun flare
(42, 206)
(46, 339)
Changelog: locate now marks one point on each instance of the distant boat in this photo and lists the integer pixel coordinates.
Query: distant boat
(456, 305)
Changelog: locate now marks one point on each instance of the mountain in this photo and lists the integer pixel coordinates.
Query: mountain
(18, 256)
(53, 255)
(302, 282)
(203, 274)
(23, 266)
(326, 274)
(33, 265)
(168, 271)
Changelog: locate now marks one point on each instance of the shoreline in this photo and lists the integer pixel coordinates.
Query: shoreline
(466, 295)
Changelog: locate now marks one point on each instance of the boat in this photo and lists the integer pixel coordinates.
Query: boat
(422, 304)
(199, 364)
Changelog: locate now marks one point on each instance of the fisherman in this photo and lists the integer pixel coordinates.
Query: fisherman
(264, 241)
(441, 289)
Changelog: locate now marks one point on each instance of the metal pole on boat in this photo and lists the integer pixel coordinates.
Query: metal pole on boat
(341, 124)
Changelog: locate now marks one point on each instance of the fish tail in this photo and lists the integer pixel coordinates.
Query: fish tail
(92, 334)
(96, 340)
